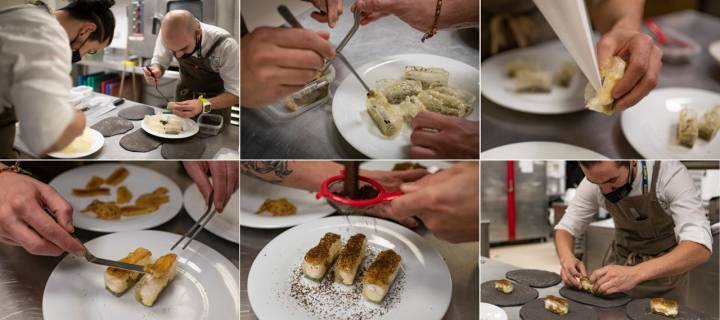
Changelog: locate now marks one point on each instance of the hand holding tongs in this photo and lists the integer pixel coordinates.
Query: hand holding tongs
(156, 84)
(343, 43)
(293, 22)
(199, 224)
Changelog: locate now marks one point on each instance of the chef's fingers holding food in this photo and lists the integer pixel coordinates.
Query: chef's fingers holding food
(25, 208)
(188, 108)
(571, 270)
(614, 278)
(437, 136)
(330, 11)
(223, 174)
(153, 73)
(644, 61)
(446, 202)
(279, 61)
(420, 14)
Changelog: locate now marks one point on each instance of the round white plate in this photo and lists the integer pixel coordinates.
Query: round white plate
(225, 225)
(491, 312)
(425, 294)
(539, 150)
(205, 285)
(353, 121)
(651, 125)
(253, 193)
(714, 50)
(97, 143)
(190, 128)
(497, 86)
(139, 181)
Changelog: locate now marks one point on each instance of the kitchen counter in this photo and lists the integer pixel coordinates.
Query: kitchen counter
(313, 135)
(23, 276)
(595, 131)
(223, 145)
(460, 258)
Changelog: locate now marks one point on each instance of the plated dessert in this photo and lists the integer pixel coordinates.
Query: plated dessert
(151, 284)
(531, 77)
(665, 307)
(167, 124)
(690, 126)
(277, 208)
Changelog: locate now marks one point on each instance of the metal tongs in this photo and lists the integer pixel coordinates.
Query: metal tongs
(199, 224)
(156, 84)
(293, 22)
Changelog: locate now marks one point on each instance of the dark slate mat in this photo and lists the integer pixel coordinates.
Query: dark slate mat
(192, 148)
(535, 310)
(520, 295)
(534, 278)
(136, 112)
(139, 141)
(640, 310)
(112, 126)
(610, 301)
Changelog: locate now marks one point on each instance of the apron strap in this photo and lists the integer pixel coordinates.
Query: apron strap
(655, 175)
(215, 45)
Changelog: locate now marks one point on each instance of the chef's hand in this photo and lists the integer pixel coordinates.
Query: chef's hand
(614, 278)
(419, 14)
(446, 202)
(188, 108)
(644, 61)
(391, 181)
(24, 222)
(455, 138)
(571, 270)
(279, 61)
(330, 10)
(154, 75)
(224, 176)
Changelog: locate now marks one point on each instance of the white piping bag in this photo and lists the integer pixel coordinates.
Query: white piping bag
(569, 19)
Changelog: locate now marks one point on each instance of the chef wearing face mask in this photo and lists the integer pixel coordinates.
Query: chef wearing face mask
(661, 230)
(36, 51)
(209, 65)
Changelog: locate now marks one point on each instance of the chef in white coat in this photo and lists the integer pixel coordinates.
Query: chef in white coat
(37, 48)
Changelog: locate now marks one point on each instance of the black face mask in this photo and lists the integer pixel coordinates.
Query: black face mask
(620, 193)
(197, 47)
(76, 57)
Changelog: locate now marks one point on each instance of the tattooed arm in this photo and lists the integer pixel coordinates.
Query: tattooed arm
(307, 175)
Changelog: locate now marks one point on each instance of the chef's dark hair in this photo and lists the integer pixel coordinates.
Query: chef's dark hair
(590, 164)
(97, 12)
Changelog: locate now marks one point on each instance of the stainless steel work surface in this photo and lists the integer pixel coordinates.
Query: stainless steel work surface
(225, 143)
(23, 276)
(313, 134)
(462, 260)
(595, 131)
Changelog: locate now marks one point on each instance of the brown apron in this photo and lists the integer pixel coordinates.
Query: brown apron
(8, 119)
(198, 78)
(644, 231)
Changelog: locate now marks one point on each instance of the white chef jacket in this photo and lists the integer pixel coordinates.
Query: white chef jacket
(675, 191)
(35, 74)
(225, 60)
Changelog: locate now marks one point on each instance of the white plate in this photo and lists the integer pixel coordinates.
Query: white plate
(190, 128)
(139, 181)
(497, 86)
(432, 166)
(539, 150)
(205, 286)
(97, 143)
(714, 50)
(424, 293)
(225, 225)
(353, 121)
(253, 193)
(651, 125)
(491, 312)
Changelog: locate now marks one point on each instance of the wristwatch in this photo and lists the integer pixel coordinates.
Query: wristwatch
(206, 105)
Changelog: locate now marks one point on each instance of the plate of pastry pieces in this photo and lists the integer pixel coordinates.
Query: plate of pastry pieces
(195, 283)
(112, 197)
(349, 267)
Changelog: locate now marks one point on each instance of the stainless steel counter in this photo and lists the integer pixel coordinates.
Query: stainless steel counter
(23, 276)
(313, 134)
(462, 260)
(594, 131)
(225, 143)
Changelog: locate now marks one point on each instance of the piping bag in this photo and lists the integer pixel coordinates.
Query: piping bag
(570, 21)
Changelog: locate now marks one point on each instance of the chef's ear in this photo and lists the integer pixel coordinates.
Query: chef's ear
(86, 29)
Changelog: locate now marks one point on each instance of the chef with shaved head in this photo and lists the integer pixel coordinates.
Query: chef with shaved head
(209, 65)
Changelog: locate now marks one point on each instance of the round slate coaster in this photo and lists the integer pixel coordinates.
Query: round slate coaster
(610, 301)
(534, 278)
(139, 141)
(535, 310)
(640, 310)
(136, 112)
(520, 295)
(187, 149)
(112, 126)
